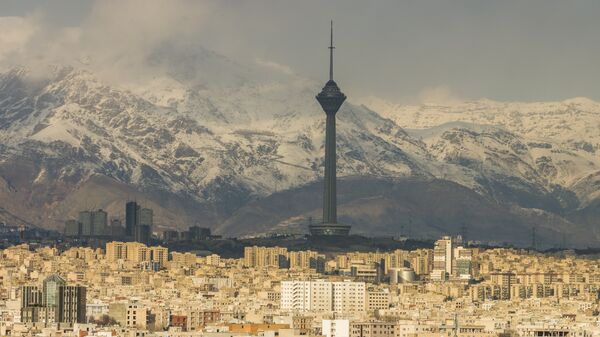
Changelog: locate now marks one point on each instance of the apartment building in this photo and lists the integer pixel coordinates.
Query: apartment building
(323, 296)
(372, 329)
(136, 252)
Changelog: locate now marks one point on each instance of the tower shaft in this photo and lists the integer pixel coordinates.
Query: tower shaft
(330, 193)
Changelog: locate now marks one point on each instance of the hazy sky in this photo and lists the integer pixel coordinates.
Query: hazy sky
(396, 49)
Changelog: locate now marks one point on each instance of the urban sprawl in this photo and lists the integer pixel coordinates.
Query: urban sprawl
(131, 289)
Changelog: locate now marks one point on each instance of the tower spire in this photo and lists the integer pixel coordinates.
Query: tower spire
(331, 48)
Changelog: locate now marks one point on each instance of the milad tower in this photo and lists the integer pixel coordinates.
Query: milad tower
(330, 98)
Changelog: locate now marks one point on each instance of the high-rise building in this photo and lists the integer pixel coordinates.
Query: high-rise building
(198, 233)
(349, 297)
(116, 251)
(57, 302)
(318, 263)
(170, 235)
(132, 215)
(100, 223)
(86, 223)
(421, 261)
(142, 234)
(146, 217)
(303, 259)
(462, 266)
(72, 228)
(51, 285)
(213, 260)
(159, 254)
(264, 256)
(443, 253)
(93, 223)
(307, 295)
(116, 228)
(331, 99)
(136, 252)
(451, 260)
(323, 296)
(30, 296)
(138, 222)
(31, 303)
(72, 304)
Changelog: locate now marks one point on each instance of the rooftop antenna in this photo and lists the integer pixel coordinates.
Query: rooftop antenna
(331, 48)
(533, 238)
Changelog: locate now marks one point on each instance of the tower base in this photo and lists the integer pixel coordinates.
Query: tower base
(329, 229)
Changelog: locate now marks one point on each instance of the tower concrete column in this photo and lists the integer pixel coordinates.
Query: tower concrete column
(330, 193)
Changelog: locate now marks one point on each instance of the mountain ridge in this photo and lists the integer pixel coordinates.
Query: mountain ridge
(219, 148)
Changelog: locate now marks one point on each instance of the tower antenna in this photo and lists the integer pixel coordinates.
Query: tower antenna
(331, 48)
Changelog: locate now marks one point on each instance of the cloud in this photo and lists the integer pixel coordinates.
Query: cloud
(30, 42)
(275, 66)
(391, 49)
(16, 31)
(438, 95)
(114, 40)
(141, 25)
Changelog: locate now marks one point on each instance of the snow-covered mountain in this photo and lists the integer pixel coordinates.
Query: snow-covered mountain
(552, 144)
(206, 140)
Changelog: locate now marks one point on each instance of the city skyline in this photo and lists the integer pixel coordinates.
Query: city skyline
(129, 288)
(190, 168)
